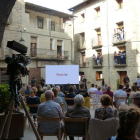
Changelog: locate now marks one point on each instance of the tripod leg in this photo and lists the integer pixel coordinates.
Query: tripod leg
(29, 118)
(9, 108)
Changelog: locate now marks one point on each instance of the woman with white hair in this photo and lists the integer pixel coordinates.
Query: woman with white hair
(42, 98)
(78, 111)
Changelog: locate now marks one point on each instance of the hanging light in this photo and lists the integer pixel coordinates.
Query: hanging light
(22, 41)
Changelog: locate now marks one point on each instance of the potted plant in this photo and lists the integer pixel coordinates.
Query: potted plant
(17, 121)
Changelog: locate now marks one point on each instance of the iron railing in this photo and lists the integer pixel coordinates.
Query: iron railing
(49, 54)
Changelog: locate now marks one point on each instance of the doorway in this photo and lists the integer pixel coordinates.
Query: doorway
(81, 75)
(122, 75)
(33, 49)
(59, 51)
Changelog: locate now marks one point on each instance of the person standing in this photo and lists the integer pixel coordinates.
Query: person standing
(33, 82)
(119, 57)
(101, 59)
(102, 83)
(115, 57)
(85, 82)
(126, 80)
(42, 82)
(98, 59)
(138, 82)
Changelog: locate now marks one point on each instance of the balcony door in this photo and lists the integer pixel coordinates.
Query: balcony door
(122, 75)
(99, 38)
(33, 50)
(83, 59)
(59, 51)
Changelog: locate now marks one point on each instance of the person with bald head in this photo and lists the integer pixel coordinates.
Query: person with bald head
(49, 109)
(108, 92)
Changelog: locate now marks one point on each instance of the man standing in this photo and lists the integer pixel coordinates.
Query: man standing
(126, 80)
(42, 82)
(138, 82)
(85, 82)
(49, 109)
(120, 93)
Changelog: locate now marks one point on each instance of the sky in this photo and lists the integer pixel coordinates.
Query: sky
(60, 5)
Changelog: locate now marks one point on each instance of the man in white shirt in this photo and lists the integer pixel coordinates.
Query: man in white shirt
(120, 93)
(92, 89)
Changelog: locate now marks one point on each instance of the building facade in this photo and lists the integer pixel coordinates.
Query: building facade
(44, 33)
(103, 27)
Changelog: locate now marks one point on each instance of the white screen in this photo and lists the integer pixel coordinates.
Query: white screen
(62, 74)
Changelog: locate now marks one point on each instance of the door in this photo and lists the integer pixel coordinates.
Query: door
(122, 75)
(33, 49)
(35, 72)
(83, 59)
(59, 51)
(99, 39)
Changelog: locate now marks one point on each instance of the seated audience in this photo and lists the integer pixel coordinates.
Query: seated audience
(98, 91)
(56, 98)
(105, 112)
(136, 98)
(60, 94)
(92, 89)
(96, 86)
(39, 92)
(104, 88)
(127, 89)
(108, 92)
(78, 111)
(53, 86)
(138, 82)
(22, 90)
(82, 91)
(129, 120)
(27, 91)
(75, 89)
(32, 99)
(42, 97)
(70, 94)
(49, 109)
(120, 93)
(136, 85)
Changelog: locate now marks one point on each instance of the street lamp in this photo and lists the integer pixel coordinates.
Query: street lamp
(22, 41)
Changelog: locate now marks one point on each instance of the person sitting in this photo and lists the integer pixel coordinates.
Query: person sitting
(129, 120)
(49, 109)
(136, 98)
(98, 91)
(136, 85)
(60, 94)
(78, 111)
(56, 98)
(105, 111)
(32, 99)
(22, 90)
(75, 89)
(53, 86)
(108, 92)
(120, 93)
(27, 91)
(104, 88)
(39, 92)
(70, 94)
(127, 89)
(82, 91)
(92, 89)
(42, 97)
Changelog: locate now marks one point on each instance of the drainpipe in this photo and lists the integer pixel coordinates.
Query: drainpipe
(108, 42)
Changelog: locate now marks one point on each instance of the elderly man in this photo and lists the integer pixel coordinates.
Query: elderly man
(49, 109)
(78, 111)
(120, 93)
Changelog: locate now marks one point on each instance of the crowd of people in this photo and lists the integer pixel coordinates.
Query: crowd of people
(99, 59)
(49, 98)
(120, 57)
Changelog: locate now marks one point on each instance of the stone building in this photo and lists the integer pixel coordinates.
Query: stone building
(106, 26)
(44, 33)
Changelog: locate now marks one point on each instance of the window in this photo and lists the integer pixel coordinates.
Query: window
(52, 26)
(83, 17)
(99, 75)
(98, 36)
(83, 59)
(40, 22)
(82, 35)
(97, 11)
(33, 49)
(120, 4)
(51, 44)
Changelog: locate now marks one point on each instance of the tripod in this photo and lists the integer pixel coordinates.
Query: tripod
(8, 113)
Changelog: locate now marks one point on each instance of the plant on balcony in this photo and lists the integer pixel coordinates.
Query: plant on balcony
(4, 97)
(118, 83)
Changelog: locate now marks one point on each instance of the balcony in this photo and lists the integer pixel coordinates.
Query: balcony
(96, 42)
(57, 27)
(98, 64)
(83, 65)
(41, 53)
(81, 46)
(119, 38)
(120, 62)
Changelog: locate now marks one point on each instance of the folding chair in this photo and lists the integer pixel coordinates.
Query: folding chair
(54, 119)
(72, 122)
(118, 98)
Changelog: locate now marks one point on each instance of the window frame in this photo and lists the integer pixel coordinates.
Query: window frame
(41, 20)
(98, 75)
(120, 4)
(53, 23)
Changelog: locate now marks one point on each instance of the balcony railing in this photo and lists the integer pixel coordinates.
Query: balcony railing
(97, 41)
(97, 63)
(83, 65)
(118, 36)
(57, 27)
(49, 54)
